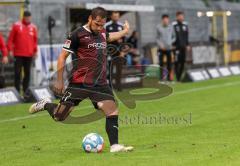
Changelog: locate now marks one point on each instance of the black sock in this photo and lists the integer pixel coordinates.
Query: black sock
(112, 129)
(50, 107)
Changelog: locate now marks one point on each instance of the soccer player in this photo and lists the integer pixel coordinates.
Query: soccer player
(181, 44)
(87, 44)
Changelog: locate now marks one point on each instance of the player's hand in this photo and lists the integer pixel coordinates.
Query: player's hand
(5, 60)
(173, 48)
(10, 53)
(163, 48)
(35, 55)
(126, 27)
(58, 87)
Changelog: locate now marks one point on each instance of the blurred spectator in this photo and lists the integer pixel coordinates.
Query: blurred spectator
(165, 39)
(3, 56)
(133, 39)
(22, 44)
(181, 43)
(116, 59)
(114, 26)
(133, 53)
(3, 50)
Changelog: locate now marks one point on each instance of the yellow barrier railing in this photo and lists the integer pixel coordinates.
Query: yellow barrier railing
(21, 3)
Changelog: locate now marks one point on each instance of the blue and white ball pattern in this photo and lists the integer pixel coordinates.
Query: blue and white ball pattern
(93, 142)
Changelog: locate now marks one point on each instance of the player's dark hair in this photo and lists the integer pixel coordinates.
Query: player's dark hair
(165, 16)
(114, 12)
(99, 11)
(179, 13)
(27, 14)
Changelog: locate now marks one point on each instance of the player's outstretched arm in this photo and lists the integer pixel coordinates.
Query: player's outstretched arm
(118, 35)
(59, 85)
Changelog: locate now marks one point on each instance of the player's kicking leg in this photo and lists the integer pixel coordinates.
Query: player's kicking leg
(58, 112)
(106, 103)
(110, 109)
(39, 106)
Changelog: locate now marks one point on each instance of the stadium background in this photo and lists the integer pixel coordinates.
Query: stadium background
(67, 14)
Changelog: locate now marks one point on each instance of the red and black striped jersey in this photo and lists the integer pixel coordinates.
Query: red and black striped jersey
(89, 53)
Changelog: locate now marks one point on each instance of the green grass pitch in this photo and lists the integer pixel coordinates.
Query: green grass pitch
(200, 125)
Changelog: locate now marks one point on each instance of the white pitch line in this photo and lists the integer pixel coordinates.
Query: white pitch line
(23, 117)
(207, 87)
(174, 93)
(33, 116)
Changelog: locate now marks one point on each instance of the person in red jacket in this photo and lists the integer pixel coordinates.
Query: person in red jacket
(3, 59)
(22, 44)
(3, 49)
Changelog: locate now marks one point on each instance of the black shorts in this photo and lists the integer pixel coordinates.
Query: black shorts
(76, 93)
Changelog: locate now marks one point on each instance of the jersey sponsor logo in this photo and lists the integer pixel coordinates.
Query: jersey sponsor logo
(67, 44)
(102, 45)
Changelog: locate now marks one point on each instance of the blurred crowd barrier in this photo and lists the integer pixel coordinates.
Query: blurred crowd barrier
(45, 64)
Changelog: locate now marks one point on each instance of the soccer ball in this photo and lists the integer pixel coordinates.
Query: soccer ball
(93, 142)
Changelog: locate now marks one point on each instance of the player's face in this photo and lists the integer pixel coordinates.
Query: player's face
(97, 24)
(115, 16)
(180, 17)
(27, 19)
(165, 21)
(135, 35)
